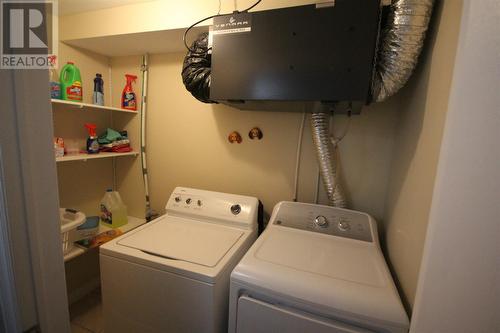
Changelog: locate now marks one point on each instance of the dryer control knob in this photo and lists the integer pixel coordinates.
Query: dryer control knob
(344, 225)
(235, 209)
(177, 199)
(188, 201)
(321, 221)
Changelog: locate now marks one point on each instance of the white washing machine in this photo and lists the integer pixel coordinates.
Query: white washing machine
(172, 274)
(315, 269)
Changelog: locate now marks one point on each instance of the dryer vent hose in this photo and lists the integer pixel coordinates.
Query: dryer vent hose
(197, 71)
(325, 152)
(400, 44)
(401, 41)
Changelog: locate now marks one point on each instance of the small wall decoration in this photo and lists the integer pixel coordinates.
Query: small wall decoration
(255, 133)
(234, 137)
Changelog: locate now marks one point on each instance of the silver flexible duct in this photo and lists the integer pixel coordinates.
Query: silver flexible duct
(401, 42)
(326, 157)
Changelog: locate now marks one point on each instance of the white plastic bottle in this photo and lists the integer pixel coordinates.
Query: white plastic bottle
(113, 210)
(55, 85)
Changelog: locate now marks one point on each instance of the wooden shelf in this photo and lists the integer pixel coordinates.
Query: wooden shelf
(87, 106)
(138, 42)
(133, 222)
(84, 157)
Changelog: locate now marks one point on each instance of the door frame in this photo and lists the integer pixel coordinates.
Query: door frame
(31, 202)
(9, 314)
(459, 282)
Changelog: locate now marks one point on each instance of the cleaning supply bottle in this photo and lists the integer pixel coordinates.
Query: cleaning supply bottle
(129, 100)
(71, 83)
(92, 143)
(98, 95)
(55, 86)
(113, 210)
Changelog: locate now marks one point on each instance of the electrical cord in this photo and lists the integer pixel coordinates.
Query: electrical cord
(255, 4)
(208, 18)
(297, 158)
(191, 27)
(336, 139)
(316, 193)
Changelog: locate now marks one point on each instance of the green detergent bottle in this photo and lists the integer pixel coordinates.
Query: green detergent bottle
(71, 83)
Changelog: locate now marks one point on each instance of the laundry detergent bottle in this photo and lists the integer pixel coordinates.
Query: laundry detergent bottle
(129, 100)
(113, 210)
(71, 83)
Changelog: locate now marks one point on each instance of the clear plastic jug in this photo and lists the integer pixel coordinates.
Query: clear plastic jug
(113, 210)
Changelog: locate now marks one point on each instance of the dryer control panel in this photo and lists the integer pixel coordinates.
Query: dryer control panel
(326, 220)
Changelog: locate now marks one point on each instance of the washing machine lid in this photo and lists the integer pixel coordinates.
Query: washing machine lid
(183, 239)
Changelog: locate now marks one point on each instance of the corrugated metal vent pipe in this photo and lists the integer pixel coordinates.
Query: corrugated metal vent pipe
(327, 161)
(401, 41)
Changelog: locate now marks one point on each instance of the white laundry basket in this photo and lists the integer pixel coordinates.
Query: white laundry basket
(70, 220)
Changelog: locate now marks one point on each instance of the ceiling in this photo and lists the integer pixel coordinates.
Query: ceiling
(68, 7)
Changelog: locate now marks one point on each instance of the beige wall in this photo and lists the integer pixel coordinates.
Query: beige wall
(82, 184)
(153, 16)
(128, 170)
(74, 177)
(89, 63)
(187, 139)
(389, 154)
(187, 146)
(365, 156)
(424, 102)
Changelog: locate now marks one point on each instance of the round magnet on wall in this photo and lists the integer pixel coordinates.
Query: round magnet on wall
(234, 137)
(255, 133)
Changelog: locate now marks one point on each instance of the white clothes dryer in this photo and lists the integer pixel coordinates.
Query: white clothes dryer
(315, 269)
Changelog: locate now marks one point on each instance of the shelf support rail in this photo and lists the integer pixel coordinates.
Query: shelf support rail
(150, 213)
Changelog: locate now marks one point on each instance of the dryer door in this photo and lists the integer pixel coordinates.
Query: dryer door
(255, 316)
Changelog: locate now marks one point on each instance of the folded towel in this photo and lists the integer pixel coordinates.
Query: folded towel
(116, 149)
(115, 143)
(109, 136)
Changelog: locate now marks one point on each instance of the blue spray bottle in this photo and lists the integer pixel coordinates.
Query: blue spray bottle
(98, 95)
(92, 144)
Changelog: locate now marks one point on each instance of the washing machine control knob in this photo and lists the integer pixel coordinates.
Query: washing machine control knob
(321, 221)
(199, 203)
(188, 201)
(177, 199)
(235, 209)
(344, 225)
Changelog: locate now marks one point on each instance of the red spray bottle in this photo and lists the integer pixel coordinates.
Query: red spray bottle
(129, 100)
(92, 143)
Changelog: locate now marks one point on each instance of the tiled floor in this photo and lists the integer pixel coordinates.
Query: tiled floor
(86, 314)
